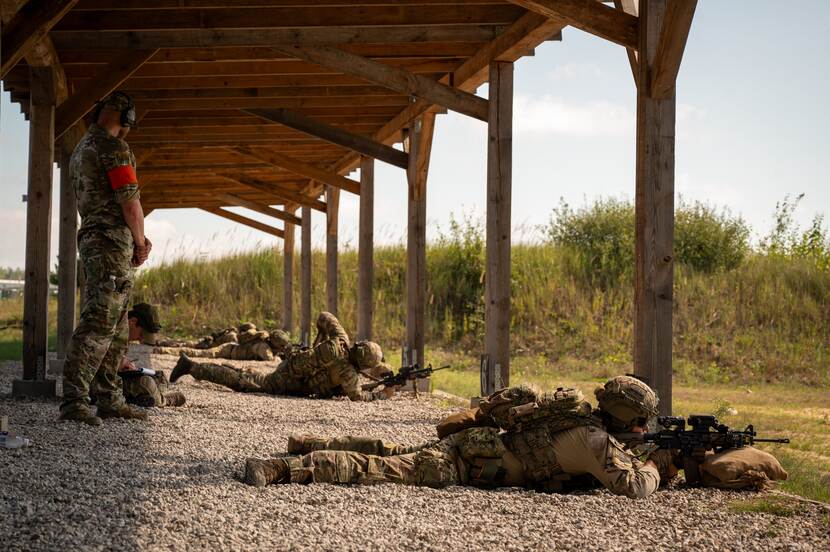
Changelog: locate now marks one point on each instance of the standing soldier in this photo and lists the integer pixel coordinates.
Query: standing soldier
(111, 242)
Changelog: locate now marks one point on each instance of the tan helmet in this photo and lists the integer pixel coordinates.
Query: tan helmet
(367, 354)
(279, 340)
(246, 326)
(627, 400)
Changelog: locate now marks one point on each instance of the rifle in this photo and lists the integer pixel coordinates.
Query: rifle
(695, 442)
(406, 373)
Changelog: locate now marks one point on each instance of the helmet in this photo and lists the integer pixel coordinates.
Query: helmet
(147, 316)
(246, 326)
(367, 354)
(279, 340)
(121, 102)
(626, 400)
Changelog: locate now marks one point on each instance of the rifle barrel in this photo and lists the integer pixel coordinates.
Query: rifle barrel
(771, 440)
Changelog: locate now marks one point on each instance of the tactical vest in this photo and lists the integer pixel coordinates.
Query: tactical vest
(530, 422)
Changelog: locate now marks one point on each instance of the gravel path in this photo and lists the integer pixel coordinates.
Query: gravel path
(172, 484)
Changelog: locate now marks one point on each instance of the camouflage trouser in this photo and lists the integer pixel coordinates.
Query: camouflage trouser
(249, 351)
(100, 339)
(242, 380)
(366, 461)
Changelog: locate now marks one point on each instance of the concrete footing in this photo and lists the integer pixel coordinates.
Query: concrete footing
(34, 388)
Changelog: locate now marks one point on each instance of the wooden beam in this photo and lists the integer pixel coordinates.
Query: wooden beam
(232, 199)
(673, 36)
(419, 146)
(365, 249)
(244, 221)
(393, 78)
(300, 168)
(106, 81)
(29, 26)
(38, 223)
(630, 7)
(334, 135)
(499, 184)
(333, 204)
(274, 190)
(305, 278)
(67, 258)
(590, 16)
(201, 38)
(288, 279)
(654, 218)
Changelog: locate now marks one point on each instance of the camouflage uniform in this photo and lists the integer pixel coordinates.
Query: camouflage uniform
(150, 391)
(326, 370)
(102, 170)
(228, 335)
(252, 345)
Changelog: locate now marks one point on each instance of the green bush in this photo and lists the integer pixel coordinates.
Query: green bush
(787, 240)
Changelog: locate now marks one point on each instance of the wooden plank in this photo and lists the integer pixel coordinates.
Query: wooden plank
(275, 190)
(365, 249)
(590, 16)
(300, 168)
(630, 7)
(288, 279)
(262, 92)
(239, 219)
(155, 4)
(107, 80)
(394, 78)
(305, 278)
(333, 205)
(38, 222)
(654, 219)
(232, 199)
(67, 258)
(201, 38)
(419, 145)
(288, 103)
(499, 190)
(30, 25)
(334, 135)
(673, 36)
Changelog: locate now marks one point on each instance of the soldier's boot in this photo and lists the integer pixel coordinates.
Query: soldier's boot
(182, 367)
(79, 412)
(174, 398)
(303, 443)
(123, 411)
(266, 472)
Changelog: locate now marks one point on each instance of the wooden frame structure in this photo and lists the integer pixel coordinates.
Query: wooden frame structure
(269, 104)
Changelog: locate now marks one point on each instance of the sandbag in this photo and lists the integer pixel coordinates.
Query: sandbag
(741, 468)
(462, 420)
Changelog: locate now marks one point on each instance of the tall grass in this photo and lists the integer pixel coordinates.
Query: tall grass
(740, 315)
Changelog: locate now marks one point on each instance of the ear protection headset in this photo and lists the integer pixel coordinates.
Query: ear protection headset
(127, 114)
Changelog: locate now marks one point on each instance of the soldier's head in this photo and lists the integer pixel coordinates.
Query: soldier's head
(626, 403)
(279, 341)
(143, 322)
(246, 326)
(369, 358)
(116, 114)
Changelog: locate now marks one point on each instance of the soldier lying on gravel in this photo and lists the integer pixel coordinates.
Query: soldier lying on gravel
(548, 442)
(146, 388)
(330, 368)
(252, 345)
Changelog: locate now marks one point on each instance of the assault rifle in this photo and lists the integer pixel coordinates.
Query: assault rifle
(406, 373)
(705, 434)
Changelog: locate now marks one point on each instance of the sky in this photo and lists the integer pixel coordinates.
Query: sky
(752, 120)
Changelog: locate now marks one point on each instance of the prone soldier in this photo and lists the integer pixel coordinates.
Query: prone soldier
(330, 368)
(251, 345)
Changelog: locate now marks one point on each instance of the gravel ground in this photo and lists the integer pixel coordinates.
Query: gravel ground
(173, 484)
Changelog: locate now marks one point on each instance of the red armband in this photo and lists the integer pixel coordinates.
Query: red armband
(122, 176)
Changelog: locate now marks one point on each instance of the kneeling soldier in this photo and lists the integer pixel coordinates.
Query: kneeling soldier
(550, 442)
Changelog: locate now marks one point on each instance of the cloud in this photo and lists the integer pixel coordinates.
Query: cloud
(551, 115)
(573, 71)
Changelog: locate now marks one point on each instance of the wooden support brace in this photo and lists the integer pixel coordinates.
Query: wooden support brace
(333, 204)
(232, 199)
(590, 16)
(393, 78)
(104, 83)
(365, 249)
(30, 25)
(334, 135)
(630, 7)
(654, 218)
(305, 278)
(244, 221)
(675, 31)
(274, 190)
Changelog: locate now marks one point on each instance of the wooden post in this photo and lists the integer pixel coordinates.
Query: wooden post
(365, 251)
(332, 208)
(419, 145)
(67, 258)
(305, 278)
(654, 216)
(499, 183)
(38, 234)
(288, 278)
